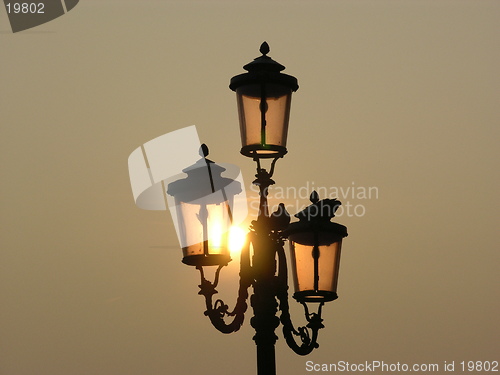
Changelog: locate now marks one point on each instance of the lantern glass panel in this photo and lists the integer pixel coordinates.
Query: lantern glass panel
(204, 228)
(270, 139)
(302, 249)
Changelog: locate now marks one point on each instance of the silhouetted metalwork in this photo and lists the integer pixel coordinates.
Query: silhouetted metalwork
(264, 95)
(266, 271)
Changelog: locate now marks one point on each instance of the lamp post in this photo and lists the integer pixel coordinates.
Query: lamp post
(264, 97)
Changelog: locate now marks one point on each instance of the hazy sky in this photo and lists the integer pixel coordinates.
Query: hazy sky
(398, 95)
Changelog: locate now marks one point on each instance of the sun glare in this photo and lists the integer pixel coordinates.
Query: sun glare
(237, 237)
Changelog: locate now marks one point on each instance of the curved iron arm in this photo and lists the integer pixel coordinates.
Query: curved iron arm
(273, 163)
(309, 333)
(218, 310)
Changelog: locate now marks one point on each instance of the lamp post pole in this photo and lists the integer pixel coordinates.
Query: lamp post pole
(265, 286)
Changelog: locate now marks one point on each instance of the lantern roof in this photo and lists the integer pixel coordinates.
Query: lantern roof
(264, 62)
(204, 178)
(322, 210)
(316, 218)
(264, 69)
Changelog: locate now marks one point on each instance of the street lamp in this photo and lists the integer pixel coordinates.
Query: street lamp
(204, 214)
(203, 200)
(264, 96)
(315, 244)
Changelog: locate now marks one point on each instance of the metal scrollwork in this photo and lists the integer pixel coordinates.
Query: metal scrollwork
(219, 310)
(309, 333)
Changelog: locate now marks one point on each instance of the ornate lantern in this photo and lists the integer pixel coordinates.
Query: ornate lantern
(264, 96)
(315, 244)
(204, 200)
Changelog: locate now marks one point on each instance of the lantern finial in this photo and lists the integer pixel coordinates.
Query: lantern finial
(203, 150)
(314, 197)
(264, 48)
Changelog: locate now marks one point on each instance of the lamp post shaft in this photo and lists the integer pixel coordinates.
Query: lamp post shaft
(263, 300)
(264, 303)
(266, 360)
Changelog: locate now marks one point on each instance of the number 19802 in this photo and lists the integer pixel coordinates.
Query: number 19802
(25, 8)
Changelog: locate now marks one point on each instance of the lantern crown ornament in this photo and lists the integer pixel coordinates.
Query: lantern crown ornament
(264, 97)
